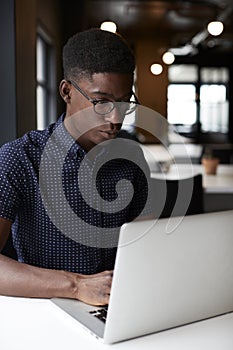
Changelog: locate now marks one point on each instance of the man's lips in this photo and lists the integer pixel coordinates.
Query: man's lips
(110, 133)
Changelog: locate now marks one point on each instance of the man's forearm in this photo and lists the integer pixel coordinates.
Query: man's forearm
(18, 279)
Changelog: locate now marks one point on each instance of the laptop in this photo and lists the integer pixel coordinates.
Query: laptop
(168, 273)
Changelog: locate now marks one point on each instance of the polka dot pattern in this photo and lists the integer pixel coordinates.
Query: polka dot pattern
(36, 238)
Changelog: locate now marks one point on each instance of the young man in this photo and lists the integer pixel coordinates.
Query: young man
(69, 250)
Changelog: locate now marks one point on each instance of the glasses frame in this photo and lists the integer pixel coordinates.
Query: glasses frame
(96, 102)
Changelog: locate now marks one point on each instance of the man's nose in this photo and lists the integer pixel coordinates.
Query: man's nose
(116, 116)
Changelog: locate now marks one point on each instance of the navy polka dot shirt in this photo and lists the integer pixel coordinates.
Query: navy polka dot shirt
(41, 240)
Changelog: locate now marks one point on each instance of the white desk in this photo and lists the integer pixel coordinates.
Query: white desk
(218, 189)
(37, 324)
(222, 182)
(154, 154)
(178, 151)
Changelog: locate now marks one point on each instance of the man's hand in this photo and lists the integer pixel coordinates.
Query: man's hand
(94, 289)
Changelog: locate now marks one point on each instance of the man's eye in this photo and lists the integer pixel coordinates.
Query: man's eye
(102, 102)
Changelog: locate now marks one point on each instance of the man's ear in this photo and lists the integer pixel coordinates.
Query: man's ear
(65, 89)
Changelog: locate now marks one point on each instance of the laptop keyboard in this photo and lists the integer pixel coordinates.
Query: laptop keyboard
(101, 313)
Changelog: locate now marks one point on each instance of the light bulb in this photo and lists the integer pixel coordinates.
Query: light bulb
(109, 26)
(168, 57)
(215, 28)
(156, 69)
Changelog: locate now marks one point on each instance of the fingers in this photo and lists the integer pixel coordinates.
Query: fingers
(105, 287)
(95, 289)
(104, 273)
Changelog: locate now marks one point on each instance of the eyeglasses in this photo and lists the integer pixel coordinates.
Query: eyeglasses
(103, 107)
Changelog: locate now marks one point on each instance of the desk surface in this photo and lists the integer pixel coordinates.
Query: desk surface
(37, 324)
(157, 155)
(158, 152)
(222, 182)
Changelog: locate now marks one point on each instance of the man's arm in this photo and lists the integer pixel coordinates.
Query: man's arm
(19, 279)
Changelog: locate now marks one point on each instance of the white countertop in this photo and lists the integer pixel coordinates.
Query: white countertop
(37, 324)
(222, 182)
(158, 152)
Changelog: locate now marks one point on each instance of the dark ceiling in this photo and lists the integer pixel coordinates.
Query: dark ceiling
(177, 23)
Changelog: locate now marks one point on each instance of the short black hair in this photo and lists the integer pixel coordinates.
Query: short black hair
(96, 51)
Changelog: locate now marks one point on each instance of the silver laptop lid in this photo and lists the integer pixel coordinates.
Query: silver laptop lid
(165, 277)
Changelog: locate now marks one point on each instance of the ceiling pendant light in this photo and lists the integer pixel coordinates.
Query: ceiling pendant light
(168, 57)
(109, 26)
(156, 69)
(215, 28)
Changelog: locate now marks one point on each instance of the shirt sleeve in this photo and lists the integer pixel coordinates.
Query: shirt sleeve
(12, 179)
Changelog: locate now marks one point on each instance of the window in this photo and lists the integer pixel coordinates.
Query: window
(183, 73)
(198, 95)
(182, 104)
(214, 106)
(46, 80)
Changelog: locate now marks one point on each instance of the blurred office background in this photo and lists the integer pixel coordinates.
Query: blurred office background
(194, 93)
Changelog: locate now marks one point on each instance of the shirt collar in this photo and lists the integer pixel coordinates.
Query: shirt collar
(64, 139)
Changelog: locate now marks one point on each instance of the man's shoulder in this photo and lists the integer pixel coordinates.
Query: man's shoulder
(35, 139)
(29, 145)
(31, 139)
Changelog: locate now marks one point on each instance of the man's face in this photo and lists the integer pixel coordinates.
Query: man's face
(95, 128)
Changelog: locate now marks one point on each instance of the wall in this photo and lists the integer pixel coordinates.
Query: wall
(7, 72)
(151, 89)
(25, 25)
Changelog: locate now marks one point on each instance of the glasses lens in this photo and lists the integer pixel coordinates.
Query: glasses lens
(104, 107)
